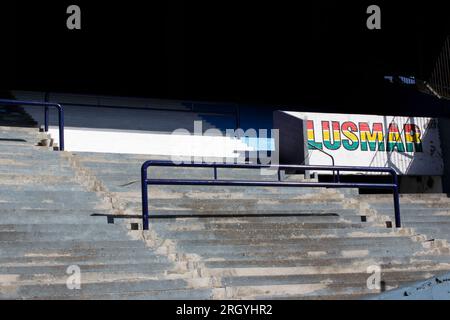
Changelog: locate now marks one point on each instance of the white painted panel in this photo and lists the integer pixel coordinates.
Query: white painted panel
(117, 141)
(414, 153)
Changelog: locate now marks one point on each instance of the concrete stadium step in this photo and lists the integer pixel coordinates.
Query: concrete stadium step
(8, 236)
(61, 228)
(124, 176)
(44, 233)
(133, 186)
(86, 245)
(32, 155)
(41, 178)
(135, 166)
(179, 294)
(301, 201)
(316, 216)
(275, 235)
(42, 193)
(407, 206)
(50, 218)
(20, 187)
(165, 192)
(59, 211)
(157, 288)
(245, 224)
(23, 148)
(290, 253)
(39, 168)
(117, 157)
(290, 205)
(309, 275)
(258, 262)
(61, 270)
(39, 165)
(170, 207)
(206, 246)
(445, 223)
(53, 254)
(28, 136)
(39, 195)
(408, 220)
(38, 177)
(441, 232)
(318, 290)
(417, 197)
(50, 204)
(18, 140)
(35, 165)
(150, 261)
(420, 212)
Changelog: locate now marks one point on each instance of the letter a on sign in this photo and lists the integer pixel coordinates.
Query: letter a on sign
(74, 20)
(374, 20)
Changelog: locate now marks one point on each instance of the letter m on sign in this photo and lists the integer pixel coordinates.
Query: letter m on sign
(371, 139)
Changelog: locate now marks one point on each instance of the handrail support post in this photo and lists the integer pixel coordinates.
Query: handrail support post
(145, 218)
(46, 111)
(396, 196)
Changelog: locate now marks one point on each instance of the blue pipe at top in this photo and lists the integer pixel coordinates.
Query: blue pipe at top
(215, 182)
(46, 106)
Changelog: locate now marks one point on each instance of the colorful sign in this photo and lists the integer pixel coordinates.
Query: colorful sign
(411, 145)
(364, 136)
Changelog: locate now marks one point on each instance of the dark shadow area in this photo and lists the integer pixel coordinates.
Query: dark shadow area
(15, 116)
(320, 56)
(13, 140)
(158, 117)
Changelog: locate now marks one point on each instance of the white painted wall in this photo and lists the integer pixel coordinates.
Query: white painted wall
(428, 162)
(129, 142)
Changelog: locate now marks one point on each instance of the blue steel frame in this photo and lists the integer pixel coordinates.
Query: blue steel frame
(145, 181)
(46, 106)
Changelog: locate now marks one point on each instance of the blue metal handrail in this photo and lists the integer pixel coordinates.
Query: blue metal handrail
(145, 181)
(46, 106)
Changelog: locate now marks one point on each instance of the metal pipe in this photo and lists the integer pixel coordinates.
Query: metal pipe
(145, 181)
(46, 114)
(144, 184)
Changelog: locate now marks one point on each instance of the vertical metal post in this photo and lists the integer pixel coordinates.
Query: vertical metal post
(396, 196)
(215, 173)
(46, 110)
(61, 128)
(144, 196)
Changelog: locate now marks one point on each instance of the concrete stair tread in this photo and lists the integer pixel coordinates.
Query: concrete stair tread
(351, 241)
(89, 289)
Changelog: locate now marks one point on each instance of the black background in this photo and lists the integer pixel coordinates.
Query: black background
(316, 53)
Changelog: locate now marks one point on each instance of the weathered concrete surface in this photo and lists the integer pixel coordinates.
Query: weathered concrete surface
(309, 244)
(436, 288)
(49, 222)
